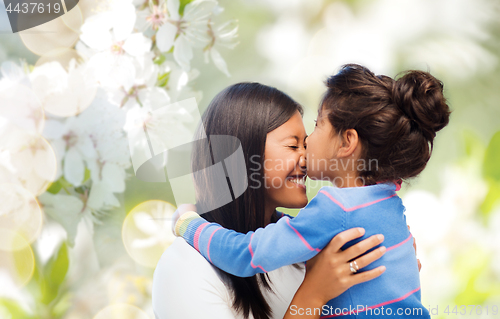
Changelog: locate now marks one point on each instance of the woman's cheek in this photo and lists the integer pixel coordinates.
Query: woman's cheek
(273, 180)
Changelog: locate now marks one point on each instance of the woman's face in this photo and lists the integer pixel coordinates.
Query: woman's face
(284, 165)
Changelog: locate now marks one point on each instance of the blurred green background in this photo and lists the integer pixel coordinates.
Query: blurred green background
(453, 207)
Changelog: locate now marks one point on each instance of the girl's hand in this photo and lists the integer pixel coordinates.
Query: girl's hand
(183, 208)
(328, 274)
(415, 247)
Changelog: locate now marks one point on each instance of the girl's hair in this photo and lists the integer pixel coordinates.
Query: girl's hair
(247, 111)
(396, 120)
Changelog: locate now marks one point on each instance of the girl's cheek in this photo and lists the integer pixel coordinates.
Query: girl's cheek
(309, 156)
(312, 174)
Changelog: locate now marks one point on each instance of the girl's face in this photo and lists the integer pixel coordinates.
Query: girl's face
(284, 165)
(322, 147)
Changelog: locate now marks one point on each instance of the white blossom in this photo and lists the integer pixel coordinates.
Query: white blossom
(26, 159)
(110, 37)
(153, 16)
(94, 137)
(19, 105)
(224, 35)
(145, 80)
(178, 84)
(110, 27)
(61, 92)
(186, 32)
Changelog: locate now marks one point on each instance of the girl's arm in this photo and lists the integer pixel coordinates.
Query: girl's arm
(285, 242)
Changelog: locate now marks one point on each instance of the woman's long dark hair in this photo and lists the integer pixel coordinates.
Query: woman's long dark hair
(247, 111)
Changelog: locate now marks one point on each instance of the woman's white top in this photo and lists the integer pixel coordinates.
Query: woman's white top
(186, 286)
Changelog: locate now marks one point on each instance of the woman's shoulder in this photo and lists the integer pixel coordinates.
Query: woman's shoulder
(184, 281)
(179, 251)
(184, 278)
(181, 259)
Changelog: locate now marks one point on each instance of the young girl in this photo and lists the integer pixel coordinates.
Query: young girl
(372, 132)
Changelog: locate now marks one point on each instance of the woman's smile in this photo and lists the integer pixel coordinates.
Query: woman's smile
(298, 180)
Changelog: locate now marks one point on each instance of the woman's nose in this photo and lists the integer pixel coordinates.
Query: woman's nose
(302, 162)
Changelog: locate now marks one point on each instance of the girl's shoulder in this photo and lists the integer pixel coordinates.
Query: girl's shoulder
(387, 187)
(349, 198)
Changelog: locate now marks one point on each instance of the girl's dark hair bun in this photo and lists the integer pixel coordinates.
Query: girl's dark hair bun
(420, 97)
(396, 120)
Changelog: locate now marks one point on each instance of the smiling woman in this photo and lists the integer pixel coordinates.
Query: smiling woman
(260, 117)
(285, 166)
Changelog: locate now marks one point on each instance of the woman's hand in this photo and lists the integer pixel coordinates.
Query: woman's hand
(183, 208)
(328, 274)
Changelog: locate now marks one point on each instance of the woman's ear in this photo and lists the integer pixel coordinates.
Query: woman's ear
(350, 142)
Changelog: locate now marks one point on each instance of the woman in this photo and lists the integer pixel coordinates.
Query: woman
(268, 124)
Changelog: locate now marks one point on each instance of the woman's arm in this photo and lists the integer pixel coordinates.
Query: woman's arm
(285, 242)
(328, 274)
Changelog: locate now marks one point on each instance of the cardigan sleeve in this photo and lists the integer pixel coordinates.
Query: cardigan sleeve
(288, 241)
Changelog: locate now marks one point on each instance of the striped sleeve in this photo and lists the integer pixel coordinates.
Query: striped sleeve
(282, 243)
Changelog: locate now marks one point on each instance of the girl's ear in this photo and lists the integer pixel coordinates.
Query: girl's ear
(350, 142)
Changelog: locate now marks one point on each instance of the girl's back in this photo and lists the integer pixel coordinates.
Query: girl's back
(378, 210)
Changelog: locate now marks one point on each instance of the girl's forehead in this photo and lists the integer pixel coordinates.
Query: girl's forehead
(321, 110)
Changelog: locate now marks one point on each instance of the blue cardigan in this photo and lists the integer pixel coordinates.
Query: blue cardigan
(376, 208)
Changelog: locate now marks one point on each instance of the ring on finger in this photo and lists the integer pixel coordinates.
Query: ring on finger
(353, 266)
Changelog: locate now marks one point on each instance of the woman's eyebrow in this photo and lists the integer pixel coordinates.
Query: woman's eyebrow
(291, 136)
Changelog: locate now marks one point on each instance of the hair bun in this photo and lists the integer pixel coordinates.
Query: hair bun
(420, 96)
